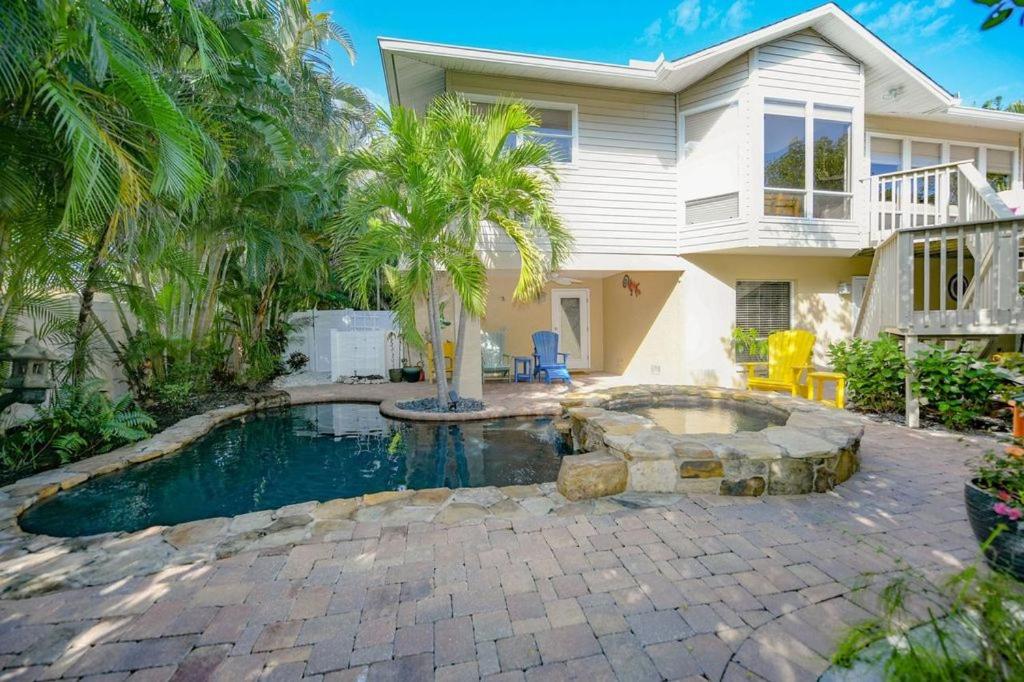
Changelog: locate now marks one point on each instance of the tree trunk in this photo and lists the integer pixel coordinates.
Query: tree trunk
(437, 343)
(88, 294)
(460, 338)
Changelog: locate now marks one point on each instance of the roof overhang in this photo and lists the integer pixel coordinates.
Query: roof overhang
(893, 86)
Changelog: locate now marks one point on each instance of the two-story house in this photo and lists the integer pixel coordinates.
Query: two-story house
(802, 175)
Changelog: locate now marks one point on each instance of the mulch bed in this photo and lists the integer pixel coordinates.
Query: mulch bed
(430, 405)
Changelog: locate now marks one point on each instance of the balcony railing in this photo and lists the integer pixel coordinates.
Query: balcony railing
(946, 194)
(954, 279)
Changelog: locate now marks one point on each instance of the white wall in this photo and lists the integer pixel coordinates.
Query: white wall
(620, 194)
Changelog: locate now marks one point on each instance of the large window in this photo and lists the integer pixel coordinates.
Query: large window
(763, 306)
(556, 129)
(801, 180)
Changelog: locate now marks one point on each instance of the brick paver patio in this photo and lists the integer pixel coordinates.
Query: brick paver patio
(690, 588)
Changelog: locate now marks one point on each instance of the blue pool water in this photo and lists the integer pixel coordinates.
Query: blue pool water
(314, 452)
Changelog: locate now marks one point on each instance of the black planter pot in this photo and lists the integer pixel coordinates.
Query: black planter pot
(411, 374)
(1006, 553)
(395, 375)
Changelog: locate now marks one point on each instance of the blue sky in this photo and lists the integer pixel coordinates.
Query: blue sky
(939, 36)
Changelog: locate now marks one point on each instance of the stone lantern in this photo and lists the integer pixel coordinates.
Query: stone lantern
(30, 374)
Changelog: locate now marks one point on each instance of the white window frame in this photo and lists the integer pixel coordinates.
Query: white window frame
(944, 145)
(571, 107)
(809, 191)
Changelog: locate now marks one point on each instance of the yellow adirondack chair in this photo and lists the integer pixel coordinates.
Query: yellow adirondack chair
(789, 354)
(448, 350)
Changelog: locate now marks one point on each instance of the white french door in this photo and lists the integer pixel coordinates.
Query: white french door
(570, 319)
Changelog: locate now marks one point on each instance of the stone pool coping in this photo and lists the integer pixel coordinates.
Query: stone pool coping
(32, 564)
(815, 449)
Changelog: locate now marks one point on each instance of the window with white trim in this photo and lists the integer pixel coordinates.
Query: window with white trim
(764, 306)
(556, 129)
(801, 180)
(891, 153)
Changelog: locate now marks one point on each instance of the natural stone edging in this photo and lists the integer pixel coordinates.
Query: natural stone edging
(814, 451)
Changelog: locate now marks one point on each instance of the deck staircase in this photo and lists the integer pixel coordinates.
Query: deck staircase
(948, 262)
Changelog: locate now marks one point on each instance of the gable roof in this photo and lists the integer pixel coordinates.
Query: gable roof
(893, 85)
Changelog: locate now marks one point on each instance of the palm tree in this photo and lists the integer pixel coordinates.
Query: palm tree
(502, 178)
(420, 195)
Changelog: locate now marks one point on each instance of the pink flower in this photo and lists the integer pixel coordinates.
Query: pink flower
(1004, 496)
(1003, 509)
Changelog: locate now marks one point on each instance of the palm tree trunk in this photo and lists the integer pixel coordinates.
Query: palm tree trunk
(88, 294)
(437, 343)
(460, 337)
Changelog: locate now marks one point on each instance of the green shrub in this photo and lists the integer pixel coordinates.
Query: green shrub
(80, 422)
(875, 372)
(749, 343)
(954, 387)
(981, 638)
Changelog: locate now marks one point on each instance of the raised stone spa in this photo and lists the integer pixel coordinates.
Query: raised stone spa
(807, 447)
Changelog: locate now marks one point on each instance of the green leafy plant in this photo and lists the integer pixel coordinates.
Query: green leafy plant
(80, 422)
(954, 386)
(875, 372)
(969, 628)
(749, 343)
(1003, 476)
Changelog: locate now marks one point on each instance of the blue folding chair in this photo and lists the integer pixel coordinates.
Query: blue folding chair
(547, 359)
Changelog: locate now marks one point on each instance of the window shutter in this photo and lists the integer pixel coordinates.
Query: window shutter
(711, 153)
(764, 306)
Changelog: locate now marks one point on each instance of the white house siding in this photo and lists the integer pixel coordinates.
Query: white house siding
(724, 83)
(806, 67)
(619, 196)
(701, 230)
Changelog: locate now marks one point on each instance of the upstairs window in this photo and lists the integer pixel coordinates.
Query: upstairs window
(801, 180)
(999, 169)
(556, 129)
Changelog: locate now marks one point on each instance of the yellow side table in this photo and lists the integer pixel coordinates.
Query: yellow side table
(816, 387)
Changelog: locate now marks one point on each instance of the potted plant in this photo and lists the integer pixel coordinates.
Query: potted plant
(393, 342)
(410, 372)
(995, 499)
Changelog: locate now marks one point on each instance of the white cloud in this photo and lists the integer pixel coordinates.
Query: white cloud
(736, 15)
(899, 14)
(652, 34)
(932, 28)
(961, 37)
(862, 8)
(687, 16)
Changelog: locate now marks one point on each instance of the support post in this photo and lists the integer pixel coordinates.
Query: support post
(913, 407)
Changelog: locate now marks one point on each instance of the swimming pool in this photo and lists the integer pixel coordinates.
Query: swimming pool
(312, 452)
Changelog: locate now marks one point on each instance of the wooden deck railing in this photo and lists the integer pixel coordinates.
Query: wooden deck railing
(946, 194)
(956, 279)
